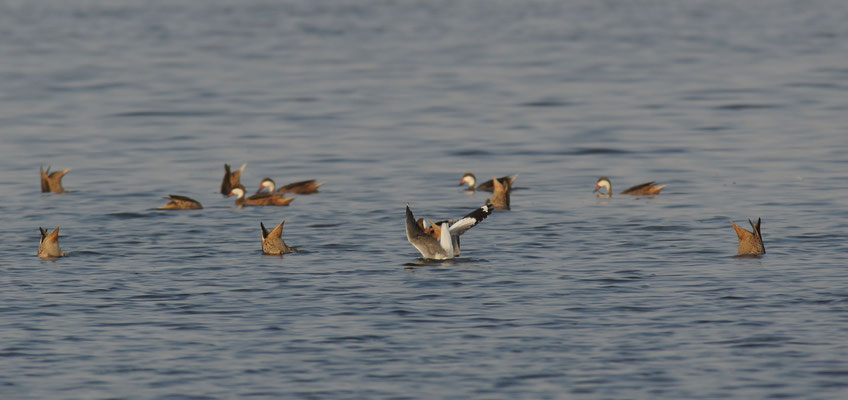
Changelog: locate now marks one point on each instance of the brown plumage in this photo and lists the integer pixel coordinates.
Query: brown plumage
(500, 196)
(272, 242)
(52, 181)
(231, 179)
(48, 247)
(750, 242)
(302, 187)
(430, 228)
(645, 189)
(178, 202)
(261, 199)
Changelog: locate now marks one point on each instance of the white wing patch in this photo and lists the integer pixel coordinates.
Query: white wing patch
(461, 226)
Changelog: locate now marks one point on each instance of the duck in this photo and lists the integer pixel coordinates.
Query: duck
(272, 242)
(440, 240)
(48, 247)
(500, 196)
(645, 189)
(302, 187)
(750, 242)
(52, 181)
(261, 199)
(231, 179)
(178, 202)
(488, 186)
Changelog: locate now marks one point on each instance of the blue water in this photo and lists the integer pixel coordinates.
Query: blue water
(739, 107)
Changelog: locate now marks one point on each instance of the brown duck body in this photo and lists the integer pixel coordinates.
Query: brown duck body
(48, 247)
(261, 199)
(178, 202)
(231, 179)
(272, 242)
(302, 187)
(500, 196)
(750, 242)
(52, 181)
(267, 199)
(645, 189)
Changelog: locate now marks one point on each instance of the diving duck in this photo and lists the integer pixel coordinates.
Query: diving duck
(750, 242)
(302, 187)
(272, 242)
(488, 186)
(261, 199)
(48, 247)
(178, 202)
(500, 196)
(645, 189)
(440, 240)
(52, 181)
(231, 179)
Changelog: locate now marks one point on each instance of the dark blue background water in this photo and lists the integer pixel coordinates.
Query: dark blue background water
(738, 106)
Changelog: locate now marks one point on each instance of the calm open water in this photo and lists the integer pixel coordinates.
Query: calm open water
(740, 107)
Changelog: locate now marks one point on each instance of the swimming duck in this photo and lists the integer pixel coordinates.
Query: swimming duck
(302, 187)
(488, 186)
(440, 240)
(261, 199)
(178, 202)
(48, 247)
(645, 189)
(272, 242)
(500, 196)
(52, 181)
(750, 242)
(231, 179)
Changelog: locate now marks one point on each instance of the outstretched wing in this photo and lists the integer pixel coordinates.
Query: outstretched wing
(426, 245)
(465, 223)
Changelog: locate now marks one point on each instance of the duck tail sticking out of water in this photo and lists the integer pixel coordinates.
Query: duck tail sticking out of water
(48, 247)
(231, 179)
(750, 242)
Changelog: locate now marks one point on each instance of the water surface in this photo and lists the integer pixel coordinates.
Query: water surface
(739, 107)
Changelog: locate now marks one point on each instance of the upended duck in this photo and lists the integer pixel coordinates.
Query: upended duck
(52, 181)
(645, 189)
(500, 196)
(48, 247)
(231, 179)
(750, 242)
(440, 240)
(272, 242)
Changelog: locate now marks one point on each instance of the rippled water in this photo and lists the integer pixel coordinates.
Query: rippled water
(739, 107)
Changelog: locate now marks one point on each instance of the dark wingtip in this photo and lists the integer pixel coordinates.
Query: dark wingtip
(264, 230)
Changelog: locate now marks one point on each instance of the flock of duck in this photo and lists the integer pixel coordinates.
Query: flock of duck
(434, 240)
